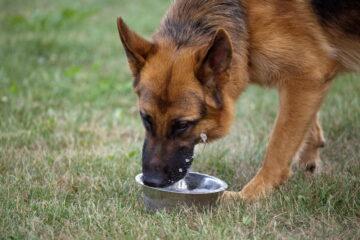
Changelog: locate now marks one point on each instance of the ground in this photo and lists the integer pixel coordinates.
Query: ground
(70, 139)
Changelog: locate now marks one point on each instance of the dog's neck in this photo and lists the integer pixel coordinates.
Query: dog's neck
(191, 23)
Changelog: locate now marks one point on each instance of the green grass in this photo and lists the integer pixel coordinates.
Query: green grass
(70, 139)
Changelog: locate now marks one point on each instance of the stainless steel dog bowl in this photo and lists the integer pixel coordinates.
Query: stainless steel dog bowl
(195, 189)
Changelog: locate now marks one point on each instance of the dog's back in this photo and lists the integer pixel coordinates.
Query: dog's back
(193, 22)
(341, 21)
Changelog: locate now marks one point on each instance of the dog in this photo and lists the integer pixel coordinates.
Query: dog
(206, 52)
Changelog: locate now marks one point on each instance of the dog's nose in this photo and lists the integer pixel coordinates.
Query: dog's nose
(155, 180)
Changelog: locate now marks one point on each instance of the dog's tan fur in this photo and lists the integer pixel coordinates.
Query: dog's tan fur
(284, 46)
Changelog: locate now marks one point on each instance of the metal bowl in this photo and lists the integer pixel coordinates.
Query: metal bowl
(195, 189)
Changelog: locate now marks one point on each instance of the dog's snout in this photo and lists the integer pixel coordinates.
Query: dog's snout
(155, 179)
(164, 163)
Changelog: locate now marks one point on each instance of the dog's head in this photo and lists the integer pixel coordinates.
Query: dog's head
(180, 96)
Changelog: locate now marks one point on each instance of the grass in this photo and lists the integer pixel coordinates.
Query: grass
(70, 140)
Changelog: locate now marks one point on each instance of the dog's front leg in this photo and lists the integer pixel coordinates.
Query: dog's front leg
(299, 103)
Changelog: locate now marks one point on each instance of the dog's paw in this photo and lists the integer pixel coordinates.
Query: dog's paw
(262, 186)
(230, 197)
(311, 168)
(255, 191)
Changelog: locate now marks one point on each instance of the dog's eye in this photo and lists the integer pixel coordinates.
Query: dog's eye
(147, 120)
(180, 127)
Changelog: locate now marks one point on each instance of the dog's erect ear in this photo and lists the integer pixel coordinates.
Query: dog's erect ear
(136, 47)
(213, 65)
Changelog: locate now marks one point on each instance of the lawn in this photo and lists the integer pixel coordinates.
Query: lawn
(71, 138)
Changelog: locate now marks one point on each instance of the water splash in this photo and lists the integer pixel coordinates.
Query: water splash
(203, 137)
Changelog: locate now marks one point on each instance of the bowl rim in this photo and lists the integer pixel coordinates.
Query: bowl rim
(222, 182)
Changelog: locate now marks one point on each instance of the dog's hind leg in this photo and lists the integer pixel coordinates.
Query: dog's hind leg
(308, 157)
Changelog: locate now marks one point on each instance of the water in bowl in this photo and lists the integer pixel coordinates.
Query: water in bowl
(195, 184)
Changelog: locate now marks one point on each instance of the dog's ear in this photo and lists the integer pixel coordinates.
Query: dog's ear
(213, 68)
(136, 47)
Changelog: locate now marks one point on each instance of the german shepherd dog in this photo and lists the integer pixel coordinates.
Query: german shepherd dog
(206, 52)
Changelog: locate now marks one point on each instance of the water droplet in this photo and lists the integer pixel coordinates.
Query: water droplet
(203, 137)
